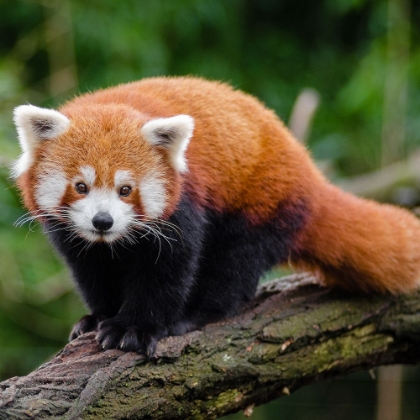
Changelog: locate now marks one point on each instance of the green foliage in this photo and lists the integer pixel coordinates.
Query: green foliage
(269, 48)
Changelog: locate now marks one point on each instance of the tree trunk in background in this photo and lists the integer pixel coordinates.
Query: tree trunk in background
(396, 81)
(59, 43)
(393, 149)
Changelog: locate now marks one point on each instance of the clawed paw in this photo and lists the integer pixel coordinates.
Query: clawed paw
(111, 335)
(86, 324)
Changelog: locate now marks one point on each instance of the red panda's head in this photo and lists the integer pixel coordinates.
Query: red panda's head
(102, 169)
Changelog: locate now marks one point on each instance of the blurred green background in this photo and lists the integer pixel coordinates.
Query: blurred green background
(360, 58)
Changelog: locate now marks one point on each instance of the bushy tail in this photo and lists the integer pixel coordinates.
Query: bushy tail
(360, 245)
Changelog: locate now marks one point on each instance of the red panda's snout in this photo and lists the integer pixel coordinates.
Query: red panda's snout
(104, 214)
(102, 221)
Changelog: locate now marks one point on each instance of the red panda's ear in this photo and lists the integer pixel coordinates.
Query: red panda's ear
(173, 134)
(33, 125)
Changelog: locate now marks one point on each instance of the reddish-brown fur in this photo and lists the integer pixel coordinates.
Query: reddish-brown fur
(242, 158)
(361, 245)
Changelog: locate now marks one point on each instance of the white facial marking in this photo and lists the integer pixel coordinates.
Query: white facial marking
(50, 188)
(123, 177)
(173, 134)
(101, 200)
(34, 125)
(22, 164)
(153, 195)
(88, 174)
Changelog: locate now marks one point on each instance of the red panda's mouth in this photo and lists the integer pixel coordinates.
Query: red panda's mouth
(101, 233)
(101, 236)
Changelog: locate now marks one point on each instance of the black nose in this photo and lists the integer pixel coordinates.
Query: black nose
(102, 221)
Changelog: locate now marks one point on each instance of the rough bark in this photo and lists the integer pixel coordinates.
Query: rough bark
(293, 334)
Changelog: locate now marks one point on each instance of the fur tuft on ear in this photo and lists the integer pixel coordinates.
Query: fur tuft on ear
(33, 125)
(174, 134)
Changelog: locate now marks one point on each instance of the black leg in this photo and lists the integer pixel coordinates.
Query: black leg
(236, 253)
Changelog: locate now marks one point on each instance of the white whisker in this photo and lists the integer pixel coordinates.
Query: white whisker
(139, 227)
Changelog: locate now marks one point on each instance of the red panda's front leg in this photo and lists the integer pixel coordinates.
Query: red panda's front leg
(152, 300)
(360, 245)
(156, 283)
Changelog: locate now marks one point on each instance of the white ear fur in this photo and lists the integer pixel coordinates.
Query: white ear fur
(33, 125)
(172, 133)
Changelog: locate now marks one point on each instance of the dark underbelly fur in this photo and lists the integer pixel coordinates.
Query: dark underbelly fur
(204, 271)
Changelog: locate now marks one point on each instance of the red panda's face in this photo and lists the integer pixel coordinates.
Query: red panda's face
(103, 170)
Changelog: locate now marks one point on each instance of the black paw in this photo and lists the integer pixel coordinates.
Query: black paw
(114, 335)
(86, 324)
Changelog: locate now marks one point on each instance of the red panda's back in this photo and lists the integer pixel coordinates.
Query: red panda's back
(240, 157)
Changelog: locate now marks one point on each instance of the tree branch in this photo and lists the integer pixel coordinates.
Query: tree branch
(294, 333)
(380, 184)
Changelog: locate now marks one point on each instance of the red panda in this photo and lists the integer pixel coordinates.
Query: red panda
(168, 198)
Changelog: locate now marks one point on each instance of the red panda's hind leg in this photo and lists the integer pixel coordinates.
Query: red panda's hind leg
(235, 254)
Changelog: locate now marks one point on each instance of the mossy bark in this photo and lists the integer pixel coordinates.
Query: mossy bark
(294, 333)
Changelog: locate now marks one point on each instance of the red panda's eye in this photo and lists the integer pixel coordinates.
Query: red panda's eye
(81, 188)
(125, 191)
